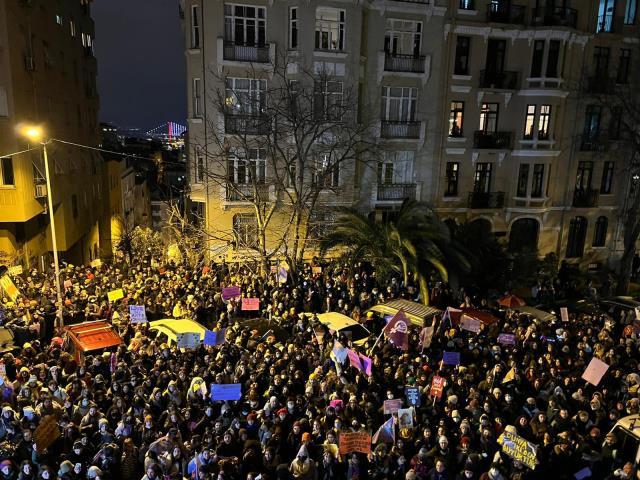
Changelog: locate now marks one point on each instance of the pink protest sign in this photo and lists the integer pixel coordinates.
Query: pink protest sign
(250, 304)
(470, 324)
(392, 406)
(595, 371)
(337, 403)
(354, 359)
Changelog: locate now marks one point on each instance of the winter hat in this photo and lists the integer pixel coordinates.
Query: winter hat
(65, 467)
(6, 463)
(303, 452)
(93, 472)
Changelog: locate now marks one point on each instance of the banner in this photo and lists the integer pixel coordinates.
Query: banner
(9, 287)
(412, 394)
(386, 433)
(46, 433)
(231, 292)
(367, 363)
(564, 314)
(437, 386)
(518, 449)
(355, 442)
(392, 406)
(282, 275)
(138, 314)
(595, 371)
(339, 352)
(451, 358)
(397, 330)
(354, 359)
(470, 324)
(426, 335)
(114, 295)
(405, 418)
(250, 304)
(188, 341)
(226, 391)
(507, 339)
(212, 339)
(15, 270)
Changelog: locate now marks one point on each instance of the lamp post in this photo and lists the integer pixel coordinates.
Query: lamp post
(36, 134)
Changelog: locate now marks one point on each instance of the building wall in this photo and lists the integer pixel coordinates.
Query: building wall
(47, 73)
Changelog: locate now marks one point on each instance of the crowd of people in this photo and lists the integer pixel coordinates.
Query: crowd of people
(141, 412)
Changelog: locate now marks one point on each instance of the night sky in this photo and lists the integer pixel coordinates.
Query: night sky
(141, 72)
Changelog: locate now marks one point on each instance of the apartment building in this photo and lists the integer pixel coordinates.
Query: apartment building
(491, 110)
(48, 78)
(383, 51)
(530, 144)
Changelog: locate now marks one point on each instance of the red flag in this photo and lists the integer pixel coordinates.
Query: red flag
(397, 330)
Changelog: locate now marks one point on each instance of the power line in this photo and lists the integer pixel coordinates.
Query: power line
(18, 153)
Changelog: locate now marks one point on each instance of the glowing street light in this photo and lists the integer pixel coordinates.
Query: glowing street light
(36, 134)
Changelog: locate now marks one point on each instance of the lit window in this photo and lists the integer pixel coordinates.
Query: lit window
(330, 24)
(59, 19)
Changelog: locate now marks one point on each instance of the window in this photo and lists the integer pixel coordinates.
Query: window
(195, 26)
(403, 37)
(245, 230)
(244, 24)
(293, 27)
(326, 173)
(461, 66)
(630, 12)
(197, 98)
(530, 122)
(592, 122)
(482, 179)
(552, 59)
(615, 123)
(59, 19)
(606, 12)
(328, 100)
(453, 169)
(466, 5)
(330, 28)
(397, 168)
(74, 205)
(584, 176)
(601, 62)
(523, 180)
(6, 163)
(623, 66)
(4, 104)
(72, 27)
(245, 96)
(544, 121)
(576, 237)
(538, 57)
(600, 232)
(607, 178)
(399, 104)
(320, 223)
(199, 166)
(455, 119)
(537, 180)
(247, 167)
(489, 117)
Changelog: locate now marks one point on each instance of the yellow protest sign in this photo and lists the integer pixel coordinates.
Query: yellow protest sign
(9, 287)
(114, 295)
(518, 449)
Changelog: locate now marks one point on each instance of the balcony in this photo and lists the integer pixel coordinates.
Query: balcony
(486, 200)
(506, 13)
(504, 80)
(595, 142)
(237, 52)
(396, 192)
(554, 17)
(492, 140)
(396, 62)
(246, 124)
(247, 192)
(599, 84)
(400, 129)
(585, 198)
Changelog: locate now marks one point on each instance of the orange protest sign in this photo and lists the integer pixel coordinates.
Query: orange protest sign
(437, 386)
(355, 442)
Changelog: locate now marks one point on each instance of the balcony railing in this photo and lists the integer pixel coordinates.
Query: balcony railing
(585, 198)
(396, 62)
(247, 192)
(552, 17)
(505, 80)
(246, 53)
(246, 124)
(494, 140)
(396, 191)
(597, 142)
(486, 200)
(400, 129)
(599, 83)
(506, 13)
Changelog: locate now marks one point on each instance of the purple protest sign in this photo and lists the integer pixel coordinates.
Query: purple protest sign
(230, 292)
(451, 358)
(507, 339)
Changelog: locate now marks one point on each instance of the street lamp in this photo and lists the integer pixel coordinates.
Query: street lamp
(35, 133)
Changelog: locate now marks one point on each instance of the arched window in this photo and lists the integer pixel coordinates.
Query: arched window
(577, 235)
(524, 235)
(600, 232)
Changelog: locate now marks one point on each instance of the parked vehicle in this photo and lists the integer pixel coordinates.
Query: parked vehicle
(90, 337)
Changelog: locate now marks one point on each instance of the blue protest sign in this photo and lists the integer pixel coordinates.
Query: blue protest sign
(214, 338)
(412, 394)
(226, 391)
(451, 358)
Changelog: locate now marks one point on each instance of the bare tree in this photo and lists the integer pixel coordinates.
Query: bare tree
(285, 142)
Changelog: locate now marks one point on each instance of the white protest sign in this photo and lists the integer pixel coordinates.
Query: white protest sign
(564, 314)
(188, 340)
(137, 313)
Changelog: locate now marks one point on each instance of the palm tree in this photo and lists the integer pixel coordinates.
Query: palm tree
(414, 242)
